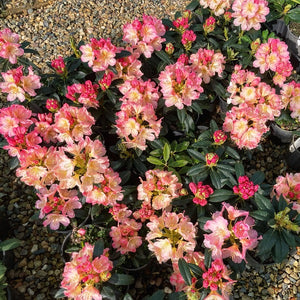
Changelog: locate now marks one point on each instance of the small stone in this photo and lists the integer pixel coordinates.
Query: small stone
(37, 263)
(34, 248)
(167, 290)
(23, 262)
(30, 291)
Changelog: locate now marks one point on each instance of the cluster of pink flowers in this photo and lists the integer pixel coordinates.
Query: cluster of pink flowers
(187, 38)
(289, 187)
(201, 192)
(249, 13)
(59, 65)
(180, 85)
(9, 45)
(246, 188)
(255, 103)
(83, 275)
(217, 6)
(159, 189)
(99, 54)
(106, 80)
(290, 96)
(217, 278)
(19, 86)
(145, 36)
(84, 93)
(171, 236)
(136, 121)
(231, 236)
(274, 56)
(181, 24)
(207, 63)
(56, 172)
(129, 67)
(125, 235)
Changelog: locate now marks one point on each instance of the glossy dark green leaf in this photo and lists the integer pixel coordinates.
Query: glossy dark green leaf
(13, 163)
(185, 271)
(268, 241)
(232, 153)
(123, 53)
(10, 244)
(98, 248)
(288, 237)
(158, 295)
(181, 114)
(282, 204)
(121, 279)
(192, 5)
(108, 293)
(294, 14)
(280, 250)
(60, 294)
(196, 155)
(260, 215)
(239, 170)
(178, 163)
(182, 146)
(215, 179)
(196, 270)
(164, 57)
(221, 195)
(225, 167)
(197, 169)
(258, 177)
(263, 203)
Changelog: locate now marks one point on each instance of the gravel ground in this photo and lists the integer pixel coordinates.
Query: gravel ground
(35, 270)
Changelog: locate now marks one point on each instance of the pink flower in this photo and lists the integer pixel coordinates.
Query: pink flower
(145, 36)
(232, 237)
(9, 46)
(99, 54)
(159, 189)
(179, 85)
(58, 65)
(187, 38)
(274, 56)
(72, 123)
(218, 7)
(249, 13)
(290, 95)
(201, 192)
(207, 63)
(85, 94)
(136, 124)
(171, 236)
(125, 236)
(289, 187)
(246, 188)
(106, 80)
(83, 274)
(181, 24)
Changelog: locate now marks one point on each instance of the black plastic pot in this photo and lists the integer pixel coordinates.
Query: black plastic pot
(284, 136)
(293, 158)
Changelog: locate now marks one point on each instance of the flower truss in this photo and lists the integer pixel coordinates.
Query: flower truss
(149, 143)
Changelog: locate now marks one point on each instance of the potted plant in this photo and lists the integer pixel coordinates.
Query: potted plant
(128, 134)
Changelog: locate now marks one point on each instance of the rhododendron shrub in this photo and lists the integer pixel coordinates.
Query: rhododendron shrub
(133, 140)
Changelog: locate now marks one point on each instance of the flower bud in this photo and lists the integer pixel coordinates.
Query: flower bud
(211, 159)
(52, 105)
(169, 48)
(209, 25)
(219, 137)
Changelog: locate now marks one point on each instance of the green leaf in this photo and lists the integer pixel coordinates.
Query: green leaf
(232, 153)
(263, 203)
(239, 169)
(98, 248)
(181, 114)
(60, 294)
(111, 96)
(224, 167)
(10, 244)
(281, 250)
(178, 163)
(158, 295)
(197, 170)
(166, 152)
(282, 204)
(189, 123)
(127, 297)
(258, 177)
(168, 23)
(121, 279)
(207, 258)
(294, 14)
(213, 126)
(192, 5)
(260, 215)
(108, 293)
(182, 146)
(196, 155)
(288, 237)
(156, 153)
(185, 271)
(221, 195)
(215, 179)
(123, 53)
(164, 57)
(196, 270)
(266, 244)
(155, 161)
(140, 166)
